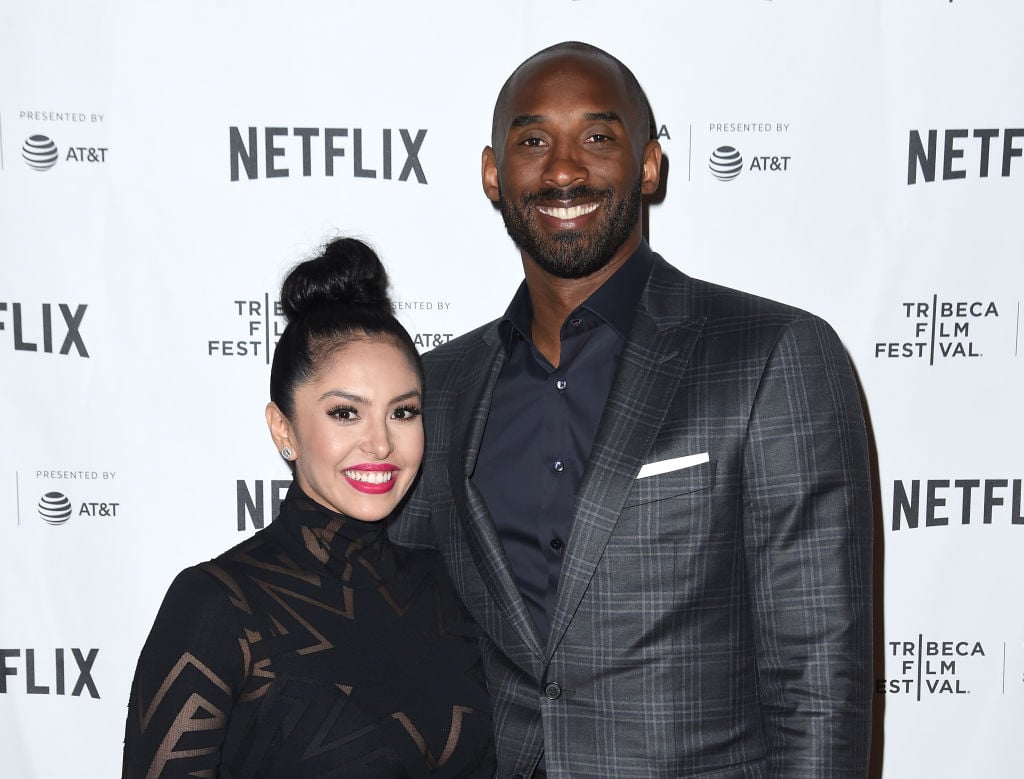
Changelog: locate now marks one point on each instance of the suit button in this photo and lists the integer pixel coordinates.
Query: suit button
(558, 466)
(556, 544)
(552, 691)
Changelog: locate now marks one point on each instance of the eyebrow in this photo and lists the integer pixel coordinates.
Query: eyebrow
(525, 120)
(351, 396)
(603, 116)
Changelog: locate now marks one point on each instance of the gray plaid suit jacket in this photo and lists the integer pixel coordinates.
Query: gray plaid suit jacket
(711, 621)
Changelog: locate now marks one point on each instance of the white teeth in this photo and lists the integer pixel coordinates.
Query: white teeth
(371, 477)
(560, 212)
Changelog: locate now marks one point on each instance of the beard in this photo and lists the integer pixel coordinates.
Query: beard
(572, 254)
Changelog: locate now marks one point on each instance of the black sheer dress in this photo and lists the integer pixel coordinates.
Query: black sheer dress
(313, 649)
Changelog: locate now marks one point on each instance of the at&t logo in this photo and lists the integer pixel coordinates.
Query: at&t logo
(41, 153)
(727, 163)
(55, 508)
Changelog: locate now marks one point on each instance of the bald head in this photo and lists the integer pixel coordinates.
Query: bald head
(640, 122)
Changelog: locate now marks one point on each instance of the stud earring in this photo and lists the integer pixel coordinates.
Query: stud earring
(287, 453)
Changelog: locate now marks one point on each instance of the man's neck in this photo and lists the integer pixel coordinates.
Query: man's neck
(553, 299)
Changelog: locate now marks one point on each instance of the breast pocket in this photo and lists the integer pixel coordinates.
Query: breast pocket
(672, 484)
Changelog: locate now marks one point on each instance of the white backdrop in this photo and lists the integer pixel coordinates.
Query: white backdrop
(135, 276)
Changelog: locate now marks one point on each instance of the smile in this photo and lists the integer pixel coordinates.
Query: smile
(371, 477)
(374, 482)
(568, 212)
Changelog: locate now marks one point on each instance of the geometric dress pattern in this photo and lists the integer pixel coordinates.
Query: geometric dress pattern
(316, 648)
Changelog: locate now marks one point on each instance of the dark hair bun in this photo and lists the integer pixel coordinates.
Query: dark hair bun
(346, 273)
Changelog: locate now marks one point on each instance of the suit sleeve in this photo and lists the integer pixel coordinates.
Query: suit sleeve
(411, 525)
(188, 675)
(808, 545)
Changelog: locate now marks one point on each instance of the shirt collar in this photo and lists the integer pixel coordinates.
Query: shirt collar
(614, 301)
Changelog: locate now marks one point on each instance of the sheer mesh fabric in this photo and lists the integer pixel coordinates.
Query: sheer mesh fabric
(313, 649)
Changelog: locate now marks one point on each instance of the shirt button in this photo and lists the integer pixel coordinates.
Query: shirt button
(576, 322)
(558, 466)
(561, 384)
(552, 691)
(556, 544)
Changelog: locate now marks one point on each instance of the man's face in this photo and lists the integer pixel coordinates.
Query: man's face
(571, 170)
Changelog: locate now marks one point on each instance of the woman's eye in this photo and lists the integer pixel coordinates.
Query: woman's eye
(406, 413)
(343, 413)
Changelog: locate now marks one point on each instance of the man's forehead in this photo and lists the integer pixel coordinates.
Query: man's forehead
(536, 81)
(564, 65)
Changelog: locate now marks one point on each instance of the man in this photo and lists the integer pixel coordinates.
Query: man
(652, 492)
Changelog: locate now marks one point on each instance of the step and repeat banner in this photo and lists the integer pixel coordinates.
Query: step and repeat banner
(162, 165)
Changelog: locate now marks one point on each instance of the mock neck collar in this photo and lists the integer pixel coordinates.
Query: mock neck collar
(356, 552)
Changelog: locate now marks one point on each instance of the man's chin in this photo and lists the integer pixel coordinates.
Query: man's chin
(570, 267)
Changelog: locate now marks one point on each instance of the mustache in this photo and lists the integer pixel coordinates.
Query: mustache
(581, 191)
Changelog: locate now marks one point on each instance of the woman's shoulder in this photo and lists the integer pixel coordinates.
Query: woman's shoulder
(211, 584)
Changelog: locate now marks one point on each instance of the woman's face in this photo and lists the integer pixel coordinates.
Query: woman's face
(357, 433)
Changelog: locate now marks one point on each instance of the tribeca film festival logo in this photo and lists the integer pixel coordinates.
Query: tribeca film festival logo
(945, 502)
(56, 507)
(41, 678)
(926, 667)
(351, 151)
(941, 330)
(261, 323)
(46, 328)
(727, 162)
(981, 152)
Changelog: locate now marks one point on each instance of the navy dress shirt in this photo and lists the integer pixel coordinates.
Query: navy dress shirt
(542, 424)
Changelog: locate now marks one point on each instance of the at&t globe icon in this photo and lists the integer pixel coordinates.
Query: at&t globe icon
(39, 152)
(726, 163)
(55, 508)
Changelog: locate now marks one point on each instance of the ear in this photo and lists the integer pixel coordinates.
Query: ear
(651, 168)
(489, 174)
(280, 428)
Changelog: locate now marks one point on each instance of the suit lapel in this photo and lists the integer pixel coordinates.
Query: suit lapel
(474, 395)
(649, 371)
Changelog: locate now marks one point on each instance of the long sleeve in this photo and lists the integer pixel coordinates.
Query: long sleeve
(808, 536)
(189, 672)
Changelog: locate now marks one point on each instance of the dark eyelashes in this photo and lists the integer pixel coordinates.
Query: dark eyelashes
(340, 411)
(349, 412)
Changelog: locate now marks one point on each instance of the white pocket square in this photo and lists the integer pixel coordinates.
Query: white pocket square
(675, 464)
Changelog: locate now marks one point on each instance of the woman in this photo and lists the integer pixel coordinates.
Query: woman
(316, 648)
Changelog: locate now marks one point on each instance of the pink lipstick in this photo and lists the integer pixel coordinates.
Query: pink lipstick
(371, 478)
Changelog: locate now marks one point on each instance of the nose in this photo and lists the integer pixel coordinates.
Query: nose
(377, 441)
(564, 167)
